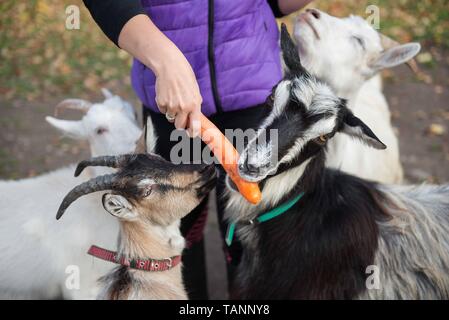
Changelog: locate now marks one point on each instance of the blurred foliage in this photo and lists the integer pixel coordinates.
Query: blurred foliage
(426, 21)
(41, 58)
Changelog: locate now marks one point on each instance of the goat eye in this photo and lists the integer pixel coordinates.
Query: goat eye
(322, 139)
(360, 41)
(147, 192)
(101, 130)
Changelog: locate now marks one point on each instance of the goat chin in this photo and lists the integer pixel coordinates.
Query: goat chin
(40, 255)
(355, 158)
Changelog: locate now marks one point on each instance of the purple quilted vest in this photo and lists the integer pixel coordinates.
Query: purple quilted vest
(232, 46)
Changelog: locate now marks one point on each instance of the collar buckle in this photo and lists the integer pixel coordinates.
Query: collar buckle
(169, 263)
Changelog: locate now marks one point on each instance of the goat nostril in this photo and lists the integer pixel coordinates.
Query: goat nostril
(315, 13)
(251, 168)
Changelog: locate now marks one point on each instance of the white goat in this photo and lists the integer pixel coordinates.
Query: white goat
(348, 53)
(42, 259)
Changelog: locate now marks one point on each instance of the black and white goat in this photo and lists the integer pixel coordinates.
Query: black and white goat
(346, 238)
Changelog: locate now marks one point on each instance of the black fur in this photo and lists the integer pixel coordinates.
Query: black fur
(122, 282)
(321, 247)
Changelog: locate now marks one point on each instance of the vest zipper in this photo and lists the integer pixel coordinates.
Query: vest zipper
(211, 57)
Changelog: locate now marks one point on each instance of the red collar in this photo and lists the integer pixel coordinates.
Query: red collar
(140, 264)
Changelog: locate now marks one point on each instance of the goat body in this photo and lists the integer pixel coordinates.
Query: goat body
(325, 246)
(37, 251)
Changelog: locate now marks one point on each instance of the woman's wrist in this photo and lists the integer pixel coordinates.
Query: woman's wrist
(161, 58)
(151, 47)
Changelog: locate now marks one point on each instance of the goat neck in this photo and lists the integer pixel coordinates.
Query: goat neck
(146, 240)
(139, 240)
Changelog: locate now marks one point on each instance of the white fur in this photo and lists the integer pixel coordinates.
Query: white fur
(36, 249)
(347, 67)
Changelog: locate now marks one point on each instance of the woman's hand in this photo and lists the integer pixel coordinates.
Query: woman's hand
(177, 91)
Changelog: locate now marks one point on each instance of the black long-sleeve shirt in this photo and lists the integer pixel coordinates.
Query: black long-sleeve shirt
(112, 15)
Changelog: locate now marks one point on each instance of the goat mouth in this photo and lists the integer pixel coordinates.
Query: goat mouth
(305, 17)
(259, 176)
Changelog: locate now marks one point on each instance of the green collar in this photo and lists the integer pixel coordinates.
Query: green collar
(264, 217)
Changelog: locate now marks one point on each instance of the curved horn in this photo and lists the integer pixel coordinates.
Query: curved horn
(74, 104)
(388, 43)
(103, 161)
(100, 183)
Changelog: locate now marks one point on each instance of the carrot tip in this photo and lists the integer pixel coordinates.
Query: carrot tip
(254, 199)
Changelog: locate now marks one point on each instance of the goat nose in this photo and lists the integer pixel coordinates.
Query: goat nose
(314, 12)
(251, 167)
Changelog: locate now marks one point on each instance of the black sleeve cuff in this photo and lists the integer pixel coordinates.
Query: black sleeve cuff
(275, 8)
(112, 15)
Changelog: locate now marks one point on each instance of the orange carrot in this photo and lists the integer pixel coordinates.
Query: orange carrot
(228, 156)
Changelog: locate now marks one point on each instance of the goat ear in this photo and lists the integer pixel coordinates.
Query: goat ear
(395, 56)
(356, 128)
(118, 206)
(70, 128)
(290, 52)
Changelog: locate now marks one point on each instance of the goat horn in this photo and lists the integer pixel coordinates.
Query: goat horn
(141, 145)
(74, 104)
(388, 43)
(100, 183)
(106, 93)
(103, 161)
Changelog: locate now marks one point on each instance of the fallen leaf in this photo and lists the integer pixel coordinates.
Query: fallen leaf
(436, 129)
(424, 57)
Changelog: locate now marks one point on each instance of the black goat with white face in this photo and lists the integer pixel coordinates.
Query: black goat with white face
(327, 244)
(308, 105)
